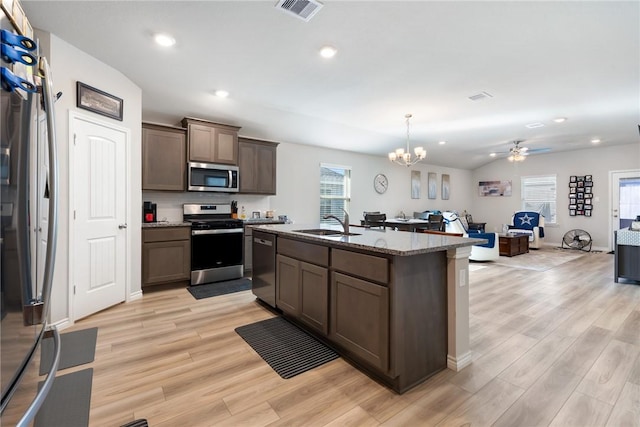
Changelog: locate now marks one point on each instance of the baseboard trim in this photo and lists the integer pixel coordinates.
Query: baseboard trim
(135, 296)
(457, 364)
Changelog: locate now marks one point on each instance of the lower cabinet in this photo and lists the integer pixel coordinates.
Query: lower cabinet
(302, 291)
(166, 255)
(360, 319)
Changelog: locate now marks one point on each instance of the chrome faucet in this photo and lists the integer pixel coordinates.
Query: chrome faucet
(345, 224)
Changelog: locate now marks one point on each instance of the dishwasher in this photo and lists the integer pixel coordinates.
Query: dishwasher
(264, 267)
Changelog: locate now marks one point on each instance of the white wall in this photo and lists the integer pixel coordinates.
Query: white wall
(593, 161)
(298, 184)
(70, 65)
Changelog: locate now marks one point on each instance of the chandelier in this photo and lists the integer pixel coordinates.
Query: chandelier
(404, 158)
(517, 153)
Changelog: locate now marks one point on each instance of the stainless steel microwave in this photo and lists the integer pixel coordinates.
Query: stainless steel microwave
(213, 177)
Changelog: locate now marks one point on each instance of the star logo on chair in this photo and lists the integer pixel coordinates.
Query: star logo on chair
(526, 219)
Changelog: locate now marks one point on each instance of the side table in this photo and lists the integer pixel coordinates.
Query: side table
(513, 244)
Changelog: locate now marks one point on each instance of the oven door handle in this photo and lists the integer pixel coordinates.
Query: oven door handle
(217, 231)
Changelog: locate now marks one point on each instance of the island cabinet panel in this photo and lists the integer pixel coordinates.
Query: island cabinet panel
(166, 255)
(302, 283)
(314, 296)
(362, 265)
(257, 162)
(288, 285)
(163, 157)
(211, 142)
(360, 319)
(303, 251)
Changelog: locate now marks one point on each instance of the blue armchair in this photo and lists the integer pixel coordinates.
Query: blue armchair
(531, 223)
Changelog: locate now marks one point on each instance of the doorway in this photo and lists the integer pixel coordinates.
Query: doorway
(625, 199)
(99, 234)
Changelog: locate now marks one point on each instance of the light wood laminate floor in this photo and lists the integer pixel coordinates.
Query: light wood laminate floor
(550, 348)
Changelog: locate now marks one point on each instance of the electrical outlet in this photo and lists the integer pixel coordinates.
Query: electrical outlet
(463, 278)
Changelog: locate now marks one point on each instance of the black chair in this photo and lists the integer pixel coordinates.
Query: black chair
(436, 222)
(375, 219)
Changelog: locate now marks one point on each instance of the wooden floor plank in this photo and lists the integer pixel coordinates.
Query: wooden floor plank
(546, 348)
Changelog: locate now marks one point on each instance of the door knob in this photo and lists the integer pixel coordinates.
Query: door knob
(121, 226)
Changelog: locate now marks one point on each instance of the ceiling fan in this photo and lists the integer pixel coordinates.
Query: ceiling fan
(517, 153)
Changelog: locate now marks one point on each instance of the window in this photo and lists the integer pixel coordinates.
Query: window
(539, 195)
(335, 191)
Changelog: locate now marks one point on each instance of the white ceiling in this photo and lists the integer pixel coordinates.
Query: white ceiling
(539, 60)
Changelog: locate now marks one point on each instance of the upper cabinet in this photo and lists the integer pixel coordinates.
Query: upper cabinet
(211, 142)
(257, 162)
(163, 157)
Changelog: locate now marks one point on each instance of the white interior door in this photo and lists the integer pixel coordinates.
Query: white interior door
(42, 200)
(99, 204)
(625, 199)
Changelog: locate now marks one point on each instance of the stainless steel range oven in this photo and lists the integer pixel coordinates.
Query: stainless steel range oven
(216, 243)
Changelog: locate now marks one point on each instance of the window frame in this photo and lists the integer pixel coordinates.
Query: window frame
(345, 197)
(525, 203)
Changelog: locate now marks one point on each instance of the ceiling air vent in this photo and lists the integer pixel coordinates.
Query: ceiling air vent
(480, 96)
(303, 9)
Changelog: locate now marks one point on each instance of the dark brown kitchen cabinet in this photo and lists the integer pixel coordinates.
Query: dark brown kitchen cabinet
(302, 282)
(211, 142)
(360, 319)
(164, 151)
(257, 162)
(166, 255)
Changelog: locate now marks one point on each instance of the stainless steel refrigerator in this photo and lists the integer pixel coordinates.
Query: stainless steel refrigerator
(29, 189)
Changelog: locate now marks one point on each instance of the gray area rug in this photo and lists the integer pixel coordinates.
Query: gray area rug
(76, 348)
(68, 401)
(219, 288)
(286, 348)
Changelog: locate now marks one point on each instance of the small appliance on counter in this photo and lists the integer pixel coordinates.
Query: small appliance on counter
(149, 212)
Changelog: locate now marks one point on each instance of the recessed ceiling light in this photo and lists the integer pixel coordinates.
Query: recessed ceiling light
(560, 119)
(328, 52)
(442, 142)
(221, 93)
(493, 154)
(164, 40)
(534, 125)
(595, 141)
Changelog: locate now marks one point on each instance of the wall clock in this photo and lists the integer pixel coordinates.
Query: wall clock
(380, 183)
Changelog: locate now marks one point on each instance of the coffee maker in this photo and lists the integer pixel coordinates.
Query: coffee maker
(149, 212)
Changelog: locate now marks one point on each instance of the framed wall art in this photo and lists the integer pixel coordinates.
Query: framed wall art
(444, 191)
(494, 188)
(415, 184)
(580, 195)
(432, 182)
(97, 101)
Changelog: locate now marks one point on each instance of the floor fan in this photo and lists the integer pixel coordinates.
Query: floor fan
(577, 239)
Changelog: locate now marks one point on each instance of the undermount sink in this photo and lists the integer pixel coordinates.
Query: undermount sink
(325, 232)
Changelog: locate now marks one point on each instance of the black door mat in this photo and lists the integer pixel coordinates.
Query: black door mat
(219, 288)
(286, 348)
(76, 348)
(68, 401)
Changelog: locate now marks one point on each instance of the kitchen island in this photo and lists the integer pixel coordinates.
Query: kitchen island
(395, 304)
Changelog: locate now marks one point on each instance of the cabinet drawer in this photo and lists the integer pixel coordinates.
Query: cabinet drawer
(164, 234)
(362, 265)
(308, 252)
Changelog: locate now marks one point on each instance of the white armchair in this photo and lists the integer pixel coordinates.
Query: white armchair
(531, 223)
(489, 251)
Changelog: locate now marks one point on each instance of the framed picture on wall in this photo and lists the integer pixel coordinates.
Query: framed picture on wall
(588, 178)
(432, 184)
(572, 212)
(572, 178)
(587, 213)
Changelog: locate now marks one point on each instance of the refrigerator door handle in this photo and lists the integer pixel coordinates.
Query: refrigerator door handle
(37, 402)
(52, 233)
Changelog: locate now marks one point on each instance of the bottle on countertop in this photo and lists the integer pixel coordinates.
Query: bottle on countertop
(243, 214)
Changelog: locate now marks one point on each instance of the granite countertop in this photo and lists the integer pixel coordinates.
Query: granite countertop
(165, 224)
(250, 221)
(386, 241)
